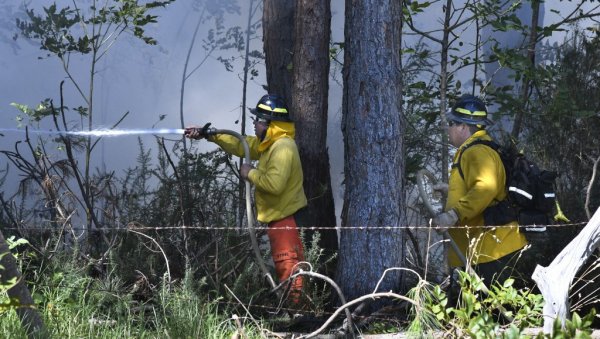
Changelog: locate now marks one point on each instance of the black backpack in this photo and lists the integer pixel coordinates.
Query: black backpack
(531, 197)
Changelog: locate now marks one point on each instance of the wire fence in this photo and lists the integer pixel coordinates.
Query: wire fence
(274, 309)
(139, 227)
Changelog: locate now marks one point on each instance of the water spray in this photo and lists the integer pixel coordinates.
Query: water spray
(208, 131)
(98, 132)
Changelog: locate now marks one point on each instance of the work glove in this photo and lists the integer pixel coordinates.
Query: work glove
(440, 187)
(445, 220)
(195, 132)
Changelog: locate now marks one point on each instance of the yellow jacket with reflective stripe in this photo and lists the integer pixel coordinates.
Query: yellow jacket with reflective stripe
(483, 185)
(278, 176)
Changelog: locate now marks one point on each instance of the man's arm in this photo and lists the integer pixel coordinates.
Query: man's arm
(273, 177)
(482, 174)
(232, 145)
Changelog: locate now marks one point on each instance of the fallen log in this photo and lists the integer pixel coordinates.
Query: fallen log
(555, 280)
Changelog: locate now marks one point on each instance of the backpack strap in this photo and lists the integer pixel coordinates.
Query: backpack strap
(488, 143)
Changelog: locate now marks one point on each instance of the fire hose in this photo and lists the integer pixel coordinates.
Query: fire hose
(422, 176)
(209, 131)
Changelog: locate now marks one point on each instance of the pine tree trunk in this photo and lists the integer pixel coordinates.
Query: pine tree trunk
(373, 128)
(278, 29)
(310, 88)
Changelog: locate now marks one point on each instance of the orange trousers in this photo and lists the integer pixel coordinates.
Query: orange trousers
(287, 251)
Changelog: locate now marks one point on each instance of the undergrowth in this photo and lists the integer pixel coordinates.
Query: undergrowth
(75, 305)
(503, 311)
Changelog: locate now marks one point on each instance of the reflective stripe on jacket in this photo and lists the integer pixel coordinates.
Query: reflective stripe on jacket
(483, 185)
(278, 176)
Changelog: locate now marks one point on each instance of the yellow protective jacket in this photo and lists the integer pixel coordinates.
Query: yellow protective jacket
(483, 186)
(278, 177)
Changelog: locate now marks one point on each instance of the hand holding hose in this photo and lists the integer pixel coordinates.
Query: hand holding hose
(197, 133)
(440, 187)
(445, 220)
(244, 170)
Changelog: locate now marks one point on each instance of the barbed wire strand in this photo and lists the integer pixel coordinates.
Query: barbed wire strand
(314, 228)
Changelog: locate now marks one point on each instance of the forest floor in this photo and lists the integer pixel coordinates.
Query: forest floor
(530, 332)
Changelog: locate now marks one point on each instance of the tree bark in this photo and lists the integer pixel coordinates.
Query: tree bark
(309, 104)
(278, 40)
(27, 311)
(373, 127)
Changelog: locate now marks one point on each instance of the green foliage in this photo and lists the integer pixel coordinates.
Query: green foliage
(430, 310)
(484, 313)
(566, 106)
(43, 109)
(420, 111)
(7, 304)
(503, 312)
(207, 193)
(413, 7)
(576, 327)
(238, 39)
(75, 305)
(52, 30)
(65, 31)
(56, 32)
(13, 242)
(316, 291)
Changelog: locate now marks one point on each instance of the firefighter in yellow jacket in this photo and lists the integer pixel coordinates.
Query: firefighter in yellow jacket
(476, 188)
(278, 178)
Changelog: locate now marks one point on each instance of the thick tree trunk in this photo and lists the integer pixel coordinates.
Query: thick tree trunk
(373, 146)
(310, 88)
(27, 312)
(278, 39)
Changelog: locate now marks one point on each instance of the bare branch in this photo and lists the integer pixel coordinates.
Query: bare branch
(158, 245)
(357, 301)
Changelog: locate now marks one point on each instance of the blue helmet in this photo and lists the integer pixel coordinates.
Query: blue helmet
(469, 110)
(271, 107)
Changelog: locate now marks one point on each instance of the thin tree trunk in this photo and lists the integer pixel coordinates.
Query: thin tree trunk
(310, 88)
(185, 75)
(184, 187)
(443, 89)
(241, 182)
(27, 311)
(373, 148)
(518, 125)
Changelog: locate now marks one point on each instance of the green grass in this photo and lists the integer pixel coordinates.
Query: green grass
(74, 305)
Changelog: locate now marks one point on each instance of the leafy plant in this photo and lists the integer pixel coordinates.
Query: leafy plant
(576, 327)
(503, 311)
(89, 32)
(6, 303)
(317, 292)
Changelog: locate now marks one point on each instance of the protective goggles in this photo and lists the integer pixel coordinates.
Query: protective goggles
(261, 120)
